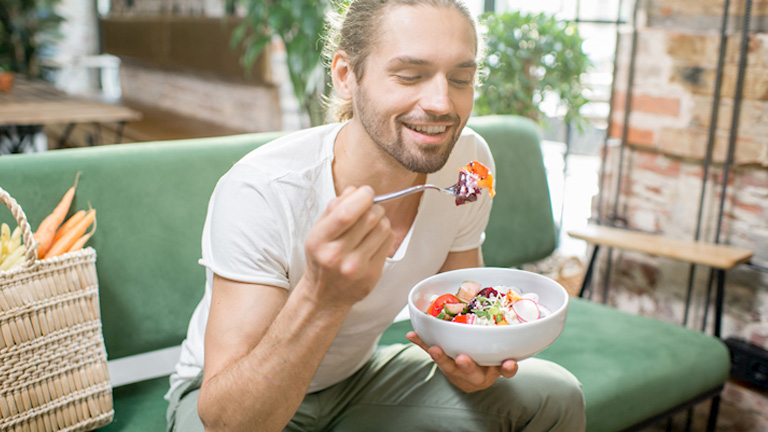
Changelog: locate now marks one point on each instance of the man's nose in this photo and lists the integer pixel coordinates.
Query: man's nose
(436, 97)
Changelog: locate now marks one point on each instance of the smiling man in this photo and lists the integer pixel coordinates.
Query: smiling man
(304, 271)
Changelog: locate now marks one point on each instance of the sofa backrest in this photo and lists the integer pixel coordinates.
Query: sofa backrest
(151, 201)
(521, 229)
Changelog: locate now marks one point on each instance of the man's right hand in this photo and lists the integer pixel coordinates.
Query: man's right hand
(347, 247)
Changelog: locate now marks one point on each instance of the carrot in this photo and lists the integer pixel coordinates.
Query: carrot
(79, 243)
(70, 237)
(66, 226)
(47, 229)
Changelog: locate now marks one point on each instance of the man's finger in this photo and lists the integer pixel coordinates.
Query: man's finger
(435, 352)
(369, 231)
(414, 337)
(472, 370)
(343, 214)
(508, 368)
(335, 202)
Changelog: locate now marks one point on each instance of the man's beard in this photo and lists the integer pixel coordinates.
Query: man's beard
(422, 160)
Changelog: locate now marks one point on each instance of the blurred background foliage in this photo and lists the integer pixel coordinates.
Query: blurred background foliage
(27, 29)
(299, 24)
(530, 57)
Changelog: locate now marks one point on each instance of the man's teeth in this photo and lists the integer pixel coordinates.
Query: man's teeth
(428, 129)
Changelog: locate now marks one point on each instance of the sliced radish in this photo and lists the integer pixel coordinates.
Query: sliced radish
(532, 296)
(526, 310)
(468, 290)
(544, 311)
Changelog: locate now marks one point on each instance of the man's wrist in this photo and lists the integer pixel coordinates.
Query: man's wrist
(306, 295)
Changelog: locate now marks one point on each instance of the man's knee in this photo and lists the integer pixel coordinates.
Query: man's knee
(558, 394)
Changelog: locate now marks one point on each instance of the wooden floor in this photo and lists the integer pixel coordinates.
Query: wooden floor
(155, 125)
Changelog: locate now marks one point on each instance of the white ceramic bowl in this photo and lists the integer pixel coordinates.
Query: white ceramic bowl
(489, 345)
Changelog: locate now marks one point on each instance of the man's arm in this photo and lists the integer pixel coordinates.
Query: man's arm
(263, 345)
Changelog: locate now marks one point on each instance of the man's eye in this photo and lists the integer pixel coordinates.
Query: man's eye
(462, 81)
(408, 78)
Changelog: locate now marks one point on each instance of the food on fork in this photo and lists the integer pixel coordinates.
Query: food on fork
(472, 179)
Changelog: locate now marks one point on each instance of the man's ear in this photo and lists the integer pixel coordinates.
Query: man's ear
(342, 75)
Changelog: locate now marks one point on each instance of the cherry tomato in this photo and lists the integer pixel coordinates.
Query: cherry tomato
(464, 318)
(486, 178)
(437, 306)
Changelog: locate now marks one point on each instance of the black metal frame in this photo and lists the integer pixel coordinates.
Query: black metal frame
(19, 138)
(711, 422)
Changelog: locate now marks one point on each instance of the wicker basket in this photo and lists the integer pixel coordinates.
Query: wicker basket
(53, 363)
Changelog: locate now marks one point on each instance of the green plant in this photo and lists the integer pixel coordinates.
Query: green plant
(530, 56)
(27, 27)
(299, 23)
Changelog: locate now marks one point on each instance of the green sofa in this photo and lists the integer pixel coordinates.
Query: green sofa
(151, 200)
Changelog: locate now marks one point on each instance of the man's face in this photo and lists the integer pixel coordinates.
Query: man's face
(418, 87)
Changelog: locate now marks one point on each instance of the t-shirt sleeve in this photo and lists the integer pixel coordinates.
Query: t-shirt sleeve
(474, 219)
(244, 238)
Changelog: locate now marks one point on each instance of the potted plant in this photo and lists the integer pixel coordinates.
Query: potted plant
(529, 57)
(6, 79)
(27, 27)
(300, 30)
(6, 75)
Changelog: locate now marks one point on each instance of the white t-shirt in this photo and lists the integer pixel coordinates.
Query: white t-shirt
(262, 210)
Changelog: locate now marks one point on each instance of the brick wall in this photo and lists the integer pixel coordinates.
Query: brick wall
(667, 133)
(668, 124)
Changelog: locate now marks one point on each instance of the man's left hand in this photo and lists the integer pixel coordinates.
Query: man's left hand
(463, 372)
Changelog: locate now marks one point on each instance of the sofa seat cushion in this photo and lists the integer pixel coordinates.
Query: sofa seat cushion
(140, 406)
(631, 367)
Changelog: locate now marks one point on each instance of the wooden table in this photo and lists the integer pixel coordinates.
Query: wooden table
(32, 104)
(717, 256)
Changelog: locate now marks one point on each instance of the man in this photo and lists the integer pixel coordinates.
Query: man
(304, 272)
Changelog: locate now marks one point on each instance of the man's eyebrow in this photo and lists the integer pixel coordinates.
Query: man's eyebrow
(408, 60)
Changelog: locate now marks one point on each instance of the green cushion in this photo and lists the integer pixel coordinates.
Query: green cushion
(634, 367)
(139, 407)
(631, 367)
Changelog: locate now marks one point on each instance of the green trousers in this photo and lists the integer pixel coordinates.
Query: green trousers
(401, 389)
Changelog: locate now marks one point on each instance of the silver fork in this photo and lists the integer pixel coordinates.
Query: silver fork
(453, 191)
